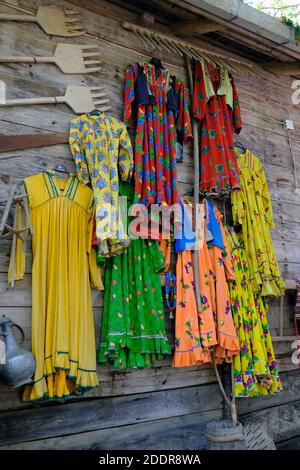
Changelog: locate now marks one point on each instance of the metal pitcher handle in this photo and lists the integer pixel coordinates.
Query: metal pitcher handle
(22, 333)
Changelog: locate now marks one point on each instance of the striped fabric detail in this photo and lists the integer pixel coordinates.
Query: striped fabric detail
(49, 186)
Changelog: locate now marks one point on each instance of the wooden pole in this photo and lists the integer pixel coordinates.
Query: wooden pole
(196, 187)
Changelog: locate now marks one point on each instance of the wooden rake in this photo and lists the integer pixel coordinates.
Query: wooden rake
(70, 58)
(53, 21)
(79, 98)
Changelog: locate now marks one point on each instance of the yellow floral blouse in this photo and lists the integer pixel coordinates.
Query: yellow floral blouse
(103, 153)
(252, 209)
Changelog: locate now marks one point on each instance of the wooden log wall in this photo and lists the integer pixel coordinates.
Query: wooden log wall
(160, 407)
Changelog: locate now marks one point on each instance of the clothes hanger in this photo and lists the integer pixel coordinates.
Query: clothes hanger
(157, 63)
(191, 193)
(61, 169)
(95, 112)
(240, 146)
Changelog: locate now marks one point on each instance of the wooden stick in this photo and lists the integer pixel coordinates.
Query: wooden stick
(281, 317)
(233, 400)
(26, 101)
(13, 248)
(6, 4)
(27, 214)
(219, 380)
(141, 37)
(196, 188)
(163, 44)
(12, 17)
(7, 209)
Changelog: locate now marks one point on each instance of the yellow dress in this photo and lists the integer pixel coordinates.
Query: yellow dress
(103, 155)
(255, 367)
(64, 269)
(252, 209)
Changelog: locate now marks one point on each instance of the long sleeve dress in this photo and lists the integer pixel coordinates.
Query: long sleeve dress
(255, 368)
(64, 269)
(160, 115)
(103, 155)
(252, 209)
(216, 106)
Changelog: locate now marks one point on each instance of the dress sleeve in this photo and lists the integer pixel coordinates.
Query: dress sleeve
(236, 112)
(266, 199)
(125, 155)
(17, 259)
(95, 272)
(238, 209)
(184, 114)
(226, 253)
(199, 95)
(78, 151)
(129, 95)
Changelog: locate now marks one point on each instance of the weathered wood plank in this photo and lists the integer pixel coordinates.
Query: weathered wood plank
(106, 413)
(289, 444)
(184, 433)
(128, 382)
(267, 138)
(283, 422)
(291, 384)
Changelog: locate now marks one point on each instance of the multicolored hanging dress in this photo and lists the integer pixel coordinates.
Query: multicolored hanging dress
(216, 106)
(161, 114)
(255, 368)
(133, 330)
(103, 156)
(199, 334)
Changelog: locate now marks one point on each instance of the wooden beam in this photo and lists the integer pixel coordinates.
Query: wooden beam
(284, 68)
(281, 339)
(241, 33)
(195, 27)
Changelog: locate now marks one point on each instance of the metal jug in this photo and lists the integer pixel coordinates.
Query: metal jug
(20, 364)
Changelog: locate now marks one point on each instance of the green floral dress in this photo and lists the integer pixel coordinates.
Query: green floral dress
(255, 368)
(133, 330)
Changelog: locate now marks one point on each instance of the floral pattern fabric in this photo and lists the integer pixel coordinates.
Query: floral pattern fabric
(133, 331)
(103, 154)
(155, 140)
(198, 334)
(255, 368)
(216, 105)
(252, 210)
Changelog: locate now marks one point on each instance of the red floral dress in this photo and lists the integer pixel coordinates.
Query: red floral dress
(216, 105)
(155, 140)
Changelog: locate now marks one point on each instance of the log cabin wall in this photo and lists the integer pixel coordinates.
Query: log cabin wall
(161, 407)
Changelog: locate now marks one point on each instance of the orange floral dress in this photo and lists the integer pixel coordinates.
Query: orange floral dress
(199, 334)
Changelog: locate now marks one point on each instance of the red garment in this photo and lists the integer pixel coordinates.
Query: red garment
(155, 140)
(219, 171)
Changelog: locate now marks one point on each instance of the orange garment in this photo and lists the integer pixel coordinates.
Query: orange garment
(198, 334)
(165, 247)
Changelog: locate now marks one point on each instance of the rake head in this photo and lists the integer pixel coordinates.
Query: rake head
(83, 99)
(58, 22)
(73, 58)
